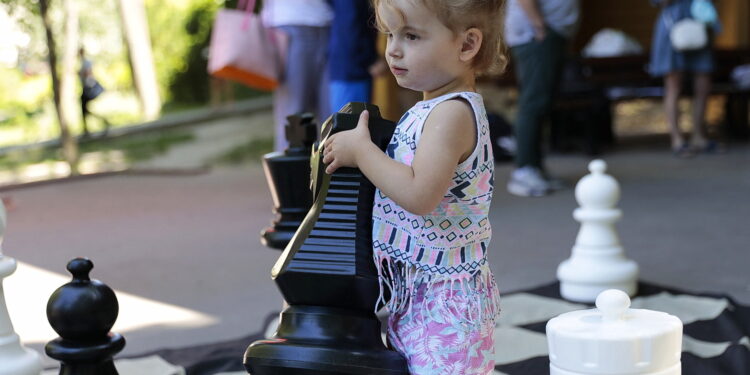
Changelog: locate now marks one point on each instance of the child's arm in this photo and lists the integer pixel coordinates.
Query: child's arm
(448, 138)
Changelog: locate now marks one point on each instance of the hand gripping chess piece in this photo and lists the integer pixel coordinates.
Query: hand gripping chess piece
(598, 261)
(614, 339)
(14, 358)
(82, 312)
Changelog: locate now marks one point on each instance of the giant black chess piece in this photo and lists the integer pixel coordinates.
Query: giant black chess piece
(328, 277)
(288, 176)
(82, 312)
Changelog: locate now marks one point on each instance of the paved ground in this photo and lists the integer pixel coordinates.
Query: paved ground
(182, 251)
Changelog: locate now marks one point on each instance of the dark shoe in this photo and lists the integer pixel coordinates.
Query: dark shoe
(683, 151)
(711, 147)
(554, 183)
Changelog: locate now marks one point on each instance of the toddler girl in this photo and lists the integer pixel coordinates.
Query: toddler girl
(435, 181)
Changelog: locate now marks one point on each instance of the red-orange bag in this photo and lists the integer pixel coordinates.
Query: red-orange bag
(242, 49)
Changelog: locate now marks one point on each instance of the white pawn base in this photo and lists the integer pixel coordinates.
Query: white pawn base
(17, 360)
(674, 370)
(14, 358)
(583, 278)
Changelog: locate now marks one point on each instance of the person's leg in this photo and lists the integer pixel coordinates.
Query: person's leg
(537, 68)
(84, 114)
(301, 89)
(528, 63)
(285, 102)
(672, 87)
(320, 86)
(701, 90)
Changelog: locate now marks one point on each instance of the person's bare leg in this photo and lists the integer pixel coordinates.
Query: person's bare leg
(701, 90)
(672, 86)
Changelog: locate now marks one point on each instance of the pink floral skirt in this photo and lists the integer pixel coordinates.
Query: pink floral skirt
(435, 340)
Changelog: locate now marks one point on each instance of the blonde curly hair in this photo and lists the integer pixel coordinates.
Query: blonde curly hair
(459, 15)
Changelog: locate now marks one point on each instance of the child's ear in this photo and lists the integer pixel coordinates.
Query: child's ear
(472, 41)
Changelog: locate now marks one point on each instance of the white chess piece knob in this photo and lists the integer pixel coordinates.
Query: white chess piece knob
(597, 189)
(614, 339)
(14, 358)
(597, 262)
(612, 303)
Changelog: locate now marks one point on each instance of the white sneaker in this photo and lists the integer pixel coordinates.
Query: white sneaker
(528, 182)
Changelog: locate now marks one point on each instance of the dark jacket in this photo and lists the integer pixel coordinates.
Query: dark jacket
(351, 50)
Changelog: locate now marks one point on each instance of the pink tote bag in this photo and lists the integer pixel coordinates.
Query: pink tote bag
(242, 49)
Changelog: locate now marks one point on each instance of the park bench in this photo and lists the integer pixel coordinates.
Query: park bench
(591, 86)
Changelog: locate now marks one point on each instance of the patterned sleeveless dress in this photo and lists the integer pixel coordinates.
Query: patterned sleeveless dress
(434, 276)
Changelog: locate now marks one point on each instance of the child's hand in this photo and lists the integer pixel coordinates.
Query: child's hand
(340, 149)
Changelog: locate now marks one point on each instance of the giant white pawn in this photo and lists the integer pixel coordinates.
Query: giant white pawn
(614, 339)
(14, 358)
(598, 261)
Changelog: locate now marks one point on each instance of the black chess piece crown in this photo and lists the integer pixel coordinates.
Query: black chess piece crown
(82, 312)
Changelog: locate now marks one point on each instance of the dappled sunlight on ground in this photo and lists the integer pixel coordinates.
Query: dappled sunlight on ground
(90, 163)
(29, 288)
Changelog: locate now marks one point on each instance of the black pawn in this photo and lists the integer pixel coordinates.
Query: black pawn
(82, 312)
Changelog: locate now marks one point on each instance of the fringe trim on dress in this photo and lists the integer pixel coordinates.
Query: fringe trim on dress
(401, 280)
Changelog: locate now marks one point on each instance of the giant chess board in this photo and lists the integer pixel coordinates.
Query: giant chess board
(716, 337)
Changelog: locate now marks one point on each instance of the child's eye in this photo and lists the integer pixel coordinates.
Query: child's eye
(410, 36)
(389, 35)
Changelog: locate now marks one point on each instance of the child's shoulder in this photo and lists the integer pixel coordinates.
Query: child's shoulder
(457, 109)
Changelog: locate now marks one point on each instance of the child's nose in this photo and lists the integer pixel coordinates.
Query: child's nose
(393, 50)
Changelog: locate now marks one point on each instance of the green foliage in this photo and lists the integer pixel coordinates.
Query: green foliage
(179, 32)
(22, 96)
(191, 85)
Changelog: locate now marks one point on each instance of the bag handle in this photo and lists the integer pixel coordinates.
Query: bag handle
(247, 5)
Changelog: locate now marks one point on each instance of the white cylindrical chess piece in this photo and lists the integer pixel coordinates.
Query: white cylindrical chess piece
(614, 339)
(598, 261)
(14, 358)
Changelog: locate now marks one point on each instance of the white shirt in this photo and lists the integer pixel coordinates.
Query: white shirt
(296, 13)
(560, 15)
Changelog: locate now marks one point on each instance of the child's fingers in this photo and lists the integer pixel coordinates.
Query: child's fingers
(364, 117)
(327, 156)
(329, 141)
(332, 167)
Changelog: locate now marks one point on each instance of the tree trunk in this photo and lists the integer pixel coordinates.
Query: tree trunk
(135, 28)
(71, 104)
(69, 146)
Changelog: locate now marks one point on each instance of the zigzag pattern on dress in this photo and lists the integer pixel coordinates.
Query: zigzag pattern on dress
(403, 256)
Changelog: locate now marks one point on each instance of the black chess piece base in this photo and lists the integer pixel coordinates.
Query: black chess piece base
(317, 340)
(90, 358)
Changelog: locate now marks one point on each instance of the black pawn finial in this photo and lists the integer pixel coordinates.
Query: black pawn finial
(82, 312)
(301, 132)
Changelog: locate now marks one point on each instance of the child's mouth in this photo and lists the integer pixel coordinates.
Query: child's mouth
(398, 71)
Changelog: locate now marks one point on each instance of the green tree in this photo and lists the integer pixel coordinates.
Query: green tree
(41, 8)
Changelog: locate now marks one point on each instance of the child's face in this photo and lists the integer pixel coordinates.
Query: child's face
(423, 54)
